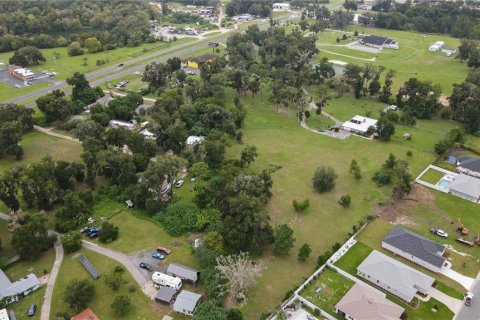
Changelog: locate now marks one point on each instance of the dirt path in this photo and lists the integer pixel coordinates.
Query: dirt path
(54, 134)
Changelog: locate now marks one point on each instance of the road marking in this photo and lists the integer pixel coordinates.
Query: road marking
(90, 243)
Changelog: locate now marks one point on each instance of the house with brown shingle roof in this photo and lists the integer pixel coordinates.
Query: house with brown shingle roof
(364, 303)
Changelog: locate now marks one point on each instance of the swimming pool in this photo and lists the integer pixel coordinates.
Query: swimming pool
(444, 183)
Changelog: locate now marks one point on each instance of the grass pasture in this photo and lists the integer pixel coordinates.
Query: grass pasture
(412, 59)
(432, 176)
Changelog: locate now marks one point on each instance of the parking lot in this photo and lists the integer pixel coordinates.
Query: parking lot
(5, 77)
(145, 256)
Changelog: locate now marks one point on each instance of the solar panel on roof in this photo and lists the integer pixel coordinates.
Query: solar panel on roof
(89, 267)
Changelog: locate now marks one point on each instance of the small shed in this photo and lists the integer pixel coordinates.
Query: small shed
(129, 204)
(165, 295)
(182, 272)
(187, 302)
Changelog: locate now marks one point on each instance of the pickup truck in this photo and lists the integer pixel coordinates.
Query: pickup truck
(439, 232)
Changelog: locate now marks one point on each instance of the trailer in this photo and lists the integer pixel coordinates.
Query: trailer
(166, 280)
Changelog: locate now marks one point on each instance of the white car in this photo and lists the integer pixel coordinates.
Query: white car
(179, 183)
(18, 86)
(439, 232)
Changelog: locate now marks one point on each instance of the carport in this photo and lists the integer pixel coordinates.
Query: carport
(165, 295)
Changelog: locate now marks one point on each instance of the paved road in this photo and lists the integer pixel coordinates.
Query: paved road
(119, 257)
(111, 73)
(47, 299)
(472, 312)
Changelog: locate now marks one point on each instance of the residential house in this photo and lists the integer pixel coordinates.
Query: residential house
(360, 125)
(469, 165)
(182, 272)
(195, 62)
(86, 314)
(281, 6)
(416, 248)
(165, 295)
(194, 140)
(4, 314)
(436, 46)
(13, 291)
(187, 302)
(465, 186)
(103, 101)
(364, 303)
(378, 42)
(394, 276)
(23, 74)
(114, 124)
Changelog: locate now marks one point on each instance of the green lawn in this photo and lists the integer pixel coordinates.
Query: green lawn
(142, 307)
(352, 259)
(432, 176)
(412, 59)
(424, 310)
(345, 108)
(319, 121)
(65, 66)
(7, 91)
(37, 145)
(38, 267)
(5, 237)
(333, 287)
(280, 141)
(21, 307)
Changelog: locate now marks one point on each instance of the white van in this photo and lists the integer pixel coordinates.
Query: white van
(166, 280)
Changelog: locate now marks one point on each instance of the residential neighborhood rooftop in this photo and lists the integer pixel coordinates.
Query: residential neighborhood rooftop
(8, 288)
(187, 300)
(363, 303)
(395, 274)
(467, 185)
(86, 314)
(416, 245)
(181, 271)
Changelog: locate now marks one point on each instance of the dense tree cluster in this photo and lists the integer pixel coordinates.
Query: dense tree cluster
(42, 23)
(465, 102)
(457, 19)
(261, 8)
(15, 120)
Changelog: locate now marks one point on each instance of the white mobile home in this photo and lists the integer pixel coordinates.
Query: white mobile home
(166, 280)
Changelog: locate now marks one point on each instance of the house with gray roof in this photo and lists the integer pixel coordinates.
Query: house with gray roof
(183, 272)
(13, 291)
(416, 248)
(394, 276)
(364, 303)
(165, 295)
(469, 165)
(465, 186)
(187, 302)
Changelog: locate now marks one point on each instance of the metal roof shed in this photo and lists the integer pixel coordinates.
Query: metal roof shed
(165, 295)
(183, 272)
(186, 302)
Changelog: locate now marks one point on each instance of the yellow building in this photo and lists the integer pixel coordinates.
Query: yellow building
(194, 62)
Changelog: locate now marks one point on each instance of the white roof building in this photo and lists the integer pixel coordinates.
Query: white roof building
(193, 140)
(394, 276)
(148, 135)
(359, 124)
(4, 315)
(117, 124)
(436, 46)
(281, 6)
(466, 187)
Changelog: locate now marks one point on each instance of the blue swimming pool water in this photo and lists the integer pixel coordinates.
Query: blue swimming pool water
(444, 183)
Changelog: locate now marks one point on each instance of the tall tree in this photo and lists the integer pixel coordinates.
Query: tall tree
(27, 56)
(283, 239)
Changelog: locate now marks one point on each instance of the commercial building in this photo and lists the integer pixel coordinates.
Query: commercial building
(20, 73)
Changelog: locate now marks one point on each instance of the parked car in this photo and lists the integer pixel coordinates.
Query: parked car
(468, 298)
(18, 86)
(146, 266)
(164, 250)
(93, 235)
(179, 183)
(439, 232)
(157, 255)
(32, 310)
(120, 65)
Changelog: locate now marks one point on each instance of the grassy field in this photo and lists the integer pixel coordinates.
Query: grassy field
(319, 121)
(281, 142)
(65, 66)
(344, 108)
(8, 92)
(37, 145)
(21, 307)
(38, 267)
(412, 59)
(333, 287)
(141, 307)
(432, 176)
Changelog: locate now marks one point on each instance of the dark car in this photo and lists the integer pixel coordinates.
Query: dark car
(120, 65)
(93, 234)
(32, 310)
(92, 230)
(146, 266)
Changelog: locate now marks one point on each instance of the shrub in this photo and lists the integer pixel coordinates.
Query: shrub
(324, 179)
(382, 177)
(302, 205)
(108, 233)
(446, 113)
(345, 201)
(178, 219)
(120, 305)
(72, 242)
(304, 252)
(409, 153)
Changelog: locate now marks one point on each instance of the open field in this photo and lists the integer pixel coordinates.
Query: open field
(332, 286)
(319, 121)
(345, 108)
(37, 145)
(412, 59)
(141, 307)
(38, 267)
(281, 142)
